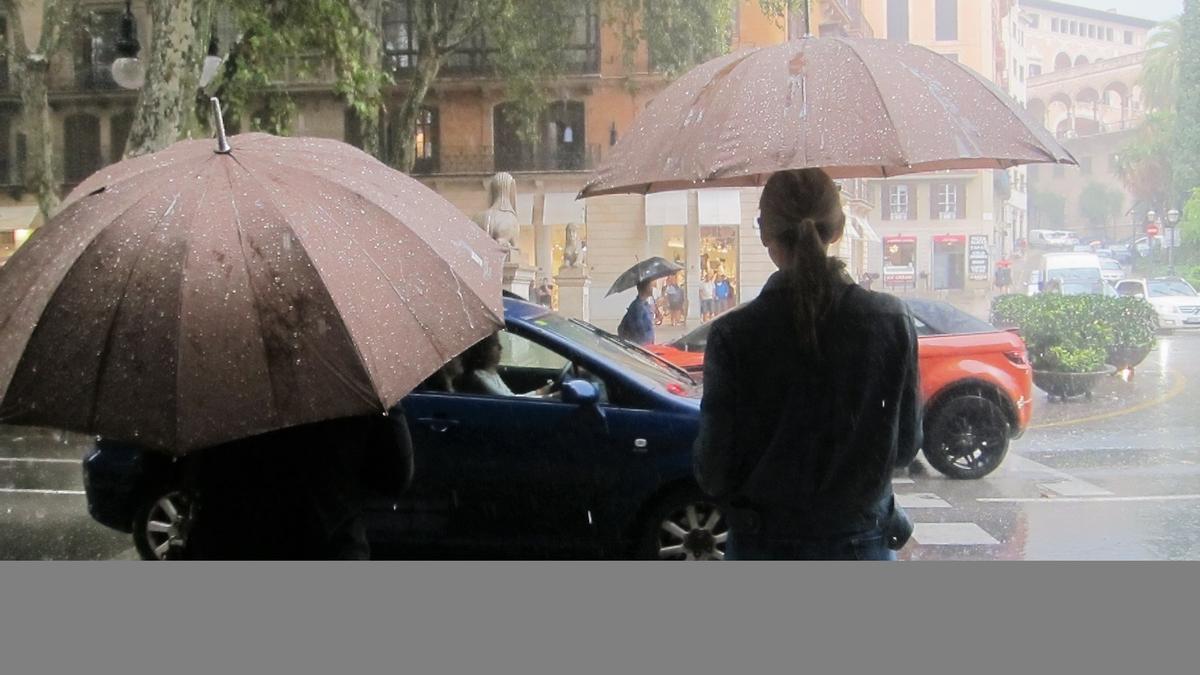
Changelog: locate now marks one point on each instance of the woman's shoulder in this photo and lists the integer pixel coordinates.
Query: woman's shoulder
(874, 302)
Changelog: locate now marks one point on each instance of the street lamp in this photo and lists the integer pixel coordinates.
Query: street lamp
(127, 70)
(1172, 221)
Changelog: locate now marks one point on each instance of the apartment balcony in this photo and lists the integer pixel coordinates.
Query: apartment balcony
(477, 160)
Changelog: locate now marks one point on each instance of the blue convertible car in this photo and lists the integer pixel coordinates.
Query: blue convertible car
(603, 469)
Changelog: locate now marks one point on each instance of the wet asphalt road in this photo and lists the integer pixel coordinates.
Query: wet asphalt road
(1114, 478)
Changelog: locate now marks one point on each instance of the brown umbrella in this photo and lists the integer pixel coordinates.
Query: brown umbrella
(191, 297)
(854, 107)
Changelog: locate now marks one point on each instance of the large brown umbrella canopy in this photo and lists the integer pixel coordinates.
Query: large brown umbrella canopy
(189, 297)
(854, 107)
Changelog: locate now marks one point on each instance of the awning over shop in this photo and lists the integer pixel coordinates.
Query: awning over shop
(666, 208)
(525, 209)
(562, 209)
(720, 207)
(858, 227)
(19, 218)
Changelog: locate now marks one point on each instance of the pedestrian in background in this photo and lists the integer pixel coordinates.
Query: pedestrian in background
(810, 396)
(637, 325)
(707, 294)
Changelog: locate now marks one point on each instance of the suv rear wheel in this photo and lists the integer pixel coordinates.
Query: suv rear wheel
(966, 437)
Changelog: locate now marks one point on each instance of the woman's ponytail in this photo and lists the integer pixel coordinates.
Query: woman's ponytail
(803, 212)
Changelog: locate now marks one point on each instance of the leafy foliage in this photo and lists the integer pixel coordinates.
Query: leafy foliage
(1186, 174)
(1047, 209)
(1160, 74)
(1069, 333)
(1145, 164)
(1099, 204)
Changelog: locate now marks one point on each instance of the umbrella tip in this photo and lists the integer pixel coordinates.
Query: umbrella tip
(222, 142)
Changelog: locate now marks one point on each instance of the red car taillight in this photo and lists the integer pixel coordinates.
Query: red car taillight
(1017, 358)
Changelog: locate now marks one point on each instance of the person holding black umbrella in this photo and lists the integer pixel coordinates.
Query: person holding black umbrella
(637, 325)
(802, 460)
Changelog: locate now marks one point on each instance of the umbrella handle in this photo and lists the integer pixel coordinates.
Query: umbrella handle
(222, 142)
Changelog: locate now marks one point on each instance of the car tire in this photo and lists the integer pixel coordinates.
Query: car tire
(966, 437)
(683, 525)
(161, 525)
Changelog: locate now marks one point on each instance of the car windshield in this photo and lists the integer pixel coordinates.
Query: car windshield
(945, 319)
(1160, 288)
(628, 356)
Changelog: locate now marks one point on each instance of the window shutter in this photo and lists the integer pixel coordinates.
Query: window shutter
(934, 190)
(960, 208)
(885, 202)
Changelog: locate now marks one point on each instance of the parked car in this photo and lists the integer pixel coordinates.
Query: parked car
(1175, 301)
(605, 469)
(1053, 239)
(1121, 251)
(1075, 273)
(1111, 270)
(976, 383)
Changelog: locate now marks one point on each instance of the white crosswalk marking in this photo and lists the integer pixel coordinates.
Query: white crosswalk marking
(952, 534)
(921, 500)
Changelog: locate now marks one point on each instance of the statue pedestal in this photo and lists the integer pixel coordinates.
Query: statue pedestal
(574, 285)
(519, 279)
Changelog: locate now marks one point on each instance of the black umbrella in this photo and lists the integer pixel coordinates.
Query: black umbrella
(646, 270)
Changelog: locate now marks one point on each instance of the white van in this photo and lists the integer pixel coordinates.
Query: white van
(1075, 273)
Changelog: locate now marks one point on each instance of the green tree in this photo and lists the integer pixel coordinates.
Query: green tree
(1186, 173)
(1160, 74)
(165, 103)
(1100, 205)
(30, 71)
(1047, 209)
(1145, 164)
(1189, 225)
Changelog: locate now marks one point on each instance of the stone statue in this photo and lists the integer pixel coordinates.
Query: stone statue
(500, 219)
(573, 250)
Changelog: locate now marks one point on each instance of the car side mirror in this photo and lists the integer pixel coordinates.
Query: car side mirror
(580, 392)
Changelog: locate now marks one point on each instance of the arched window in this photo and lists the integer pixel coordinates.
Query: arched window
(1062, 61)
(81, 147)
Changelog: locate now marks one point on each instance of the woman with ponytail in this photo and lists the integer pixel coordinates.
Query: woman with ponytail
(810, 395)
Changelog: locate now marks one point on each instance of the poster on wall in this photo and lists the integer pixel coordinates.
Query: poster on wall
(978, 257)
(899, 262)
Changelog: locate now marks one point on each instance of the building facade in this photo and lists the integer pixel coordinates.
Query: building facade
(942, 233)
(1085, 66)
(464, 137)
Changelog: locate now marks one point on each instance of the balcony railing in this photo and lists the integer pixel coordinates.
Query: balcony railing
(474, 159)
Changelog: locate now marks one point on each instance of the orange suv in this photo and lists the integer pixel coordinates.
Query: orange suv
(976, 384)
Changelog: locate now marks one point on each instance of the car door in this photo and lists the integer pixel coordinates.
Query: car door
(421, 516)
(522, 469)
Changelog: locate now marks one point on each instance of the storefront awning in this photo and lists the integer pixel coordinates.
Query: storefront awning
(720, 207)
(525, 209)
(666, 208)
(18, 218)
(562, 209)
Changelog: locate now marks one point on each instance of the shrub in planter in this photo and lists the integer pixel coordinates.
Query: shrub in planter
(1067, 333)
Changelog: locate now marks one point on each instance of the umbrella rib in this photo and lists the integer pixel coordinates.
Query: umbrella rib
(106, 348)
(237, 219)
(187, 251)
(879, 94)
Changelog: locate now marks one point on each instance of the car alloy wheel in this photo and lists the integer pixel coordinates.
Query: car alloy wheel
(162, 532)
(692, 530)
(968, 437)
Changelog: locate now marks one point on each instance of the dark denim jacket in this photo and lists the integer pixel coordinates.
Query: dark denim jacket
(809, 444)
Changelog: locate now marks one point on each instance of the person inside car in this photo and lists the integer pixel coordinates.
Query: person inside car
(481, 374)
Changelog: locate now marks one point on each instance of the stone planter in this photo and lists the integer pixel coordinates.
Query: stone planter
(1066, 385)
(1127, 357)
